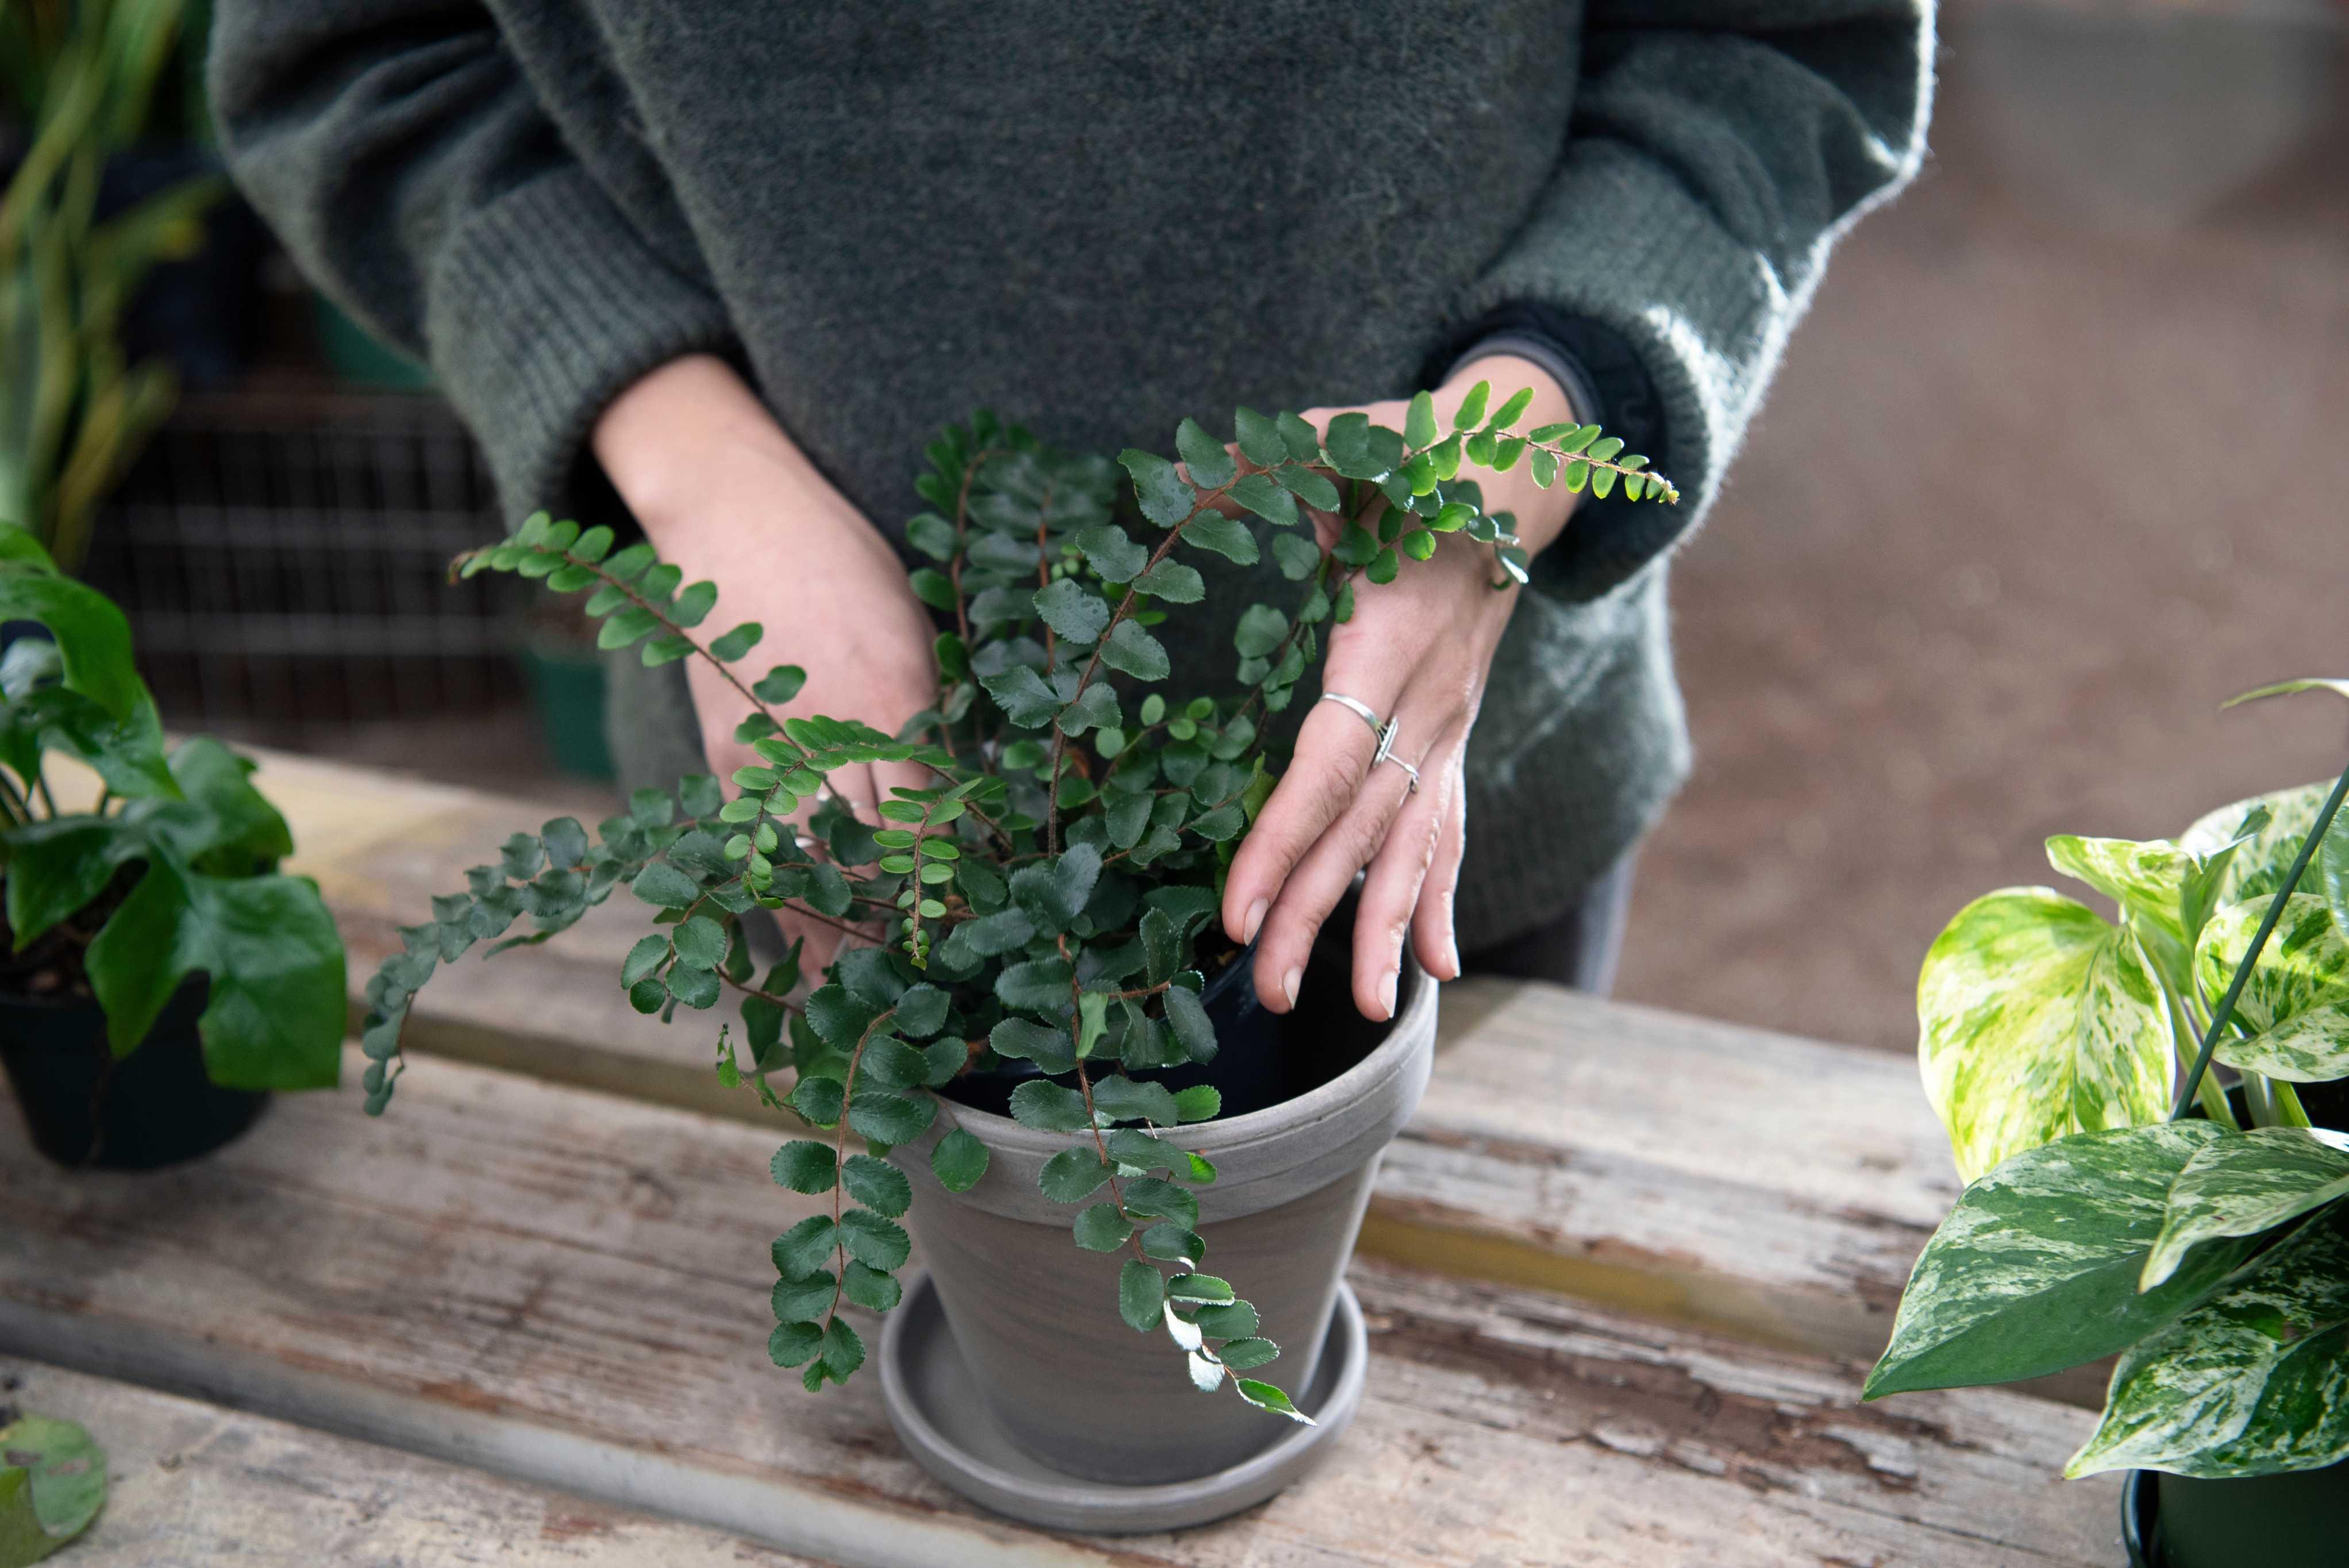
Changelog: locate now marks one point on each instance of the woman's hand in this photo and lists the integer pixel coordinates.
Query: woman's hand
(724, 494)
(1418, 649)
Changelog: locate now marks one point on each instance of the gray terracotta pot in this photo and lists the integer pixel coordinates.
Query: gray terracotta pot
(1035, 1318)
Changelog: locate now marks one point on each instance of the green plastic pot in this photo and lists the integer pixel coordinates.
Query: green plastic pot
(567, 687)
(2298, 1519)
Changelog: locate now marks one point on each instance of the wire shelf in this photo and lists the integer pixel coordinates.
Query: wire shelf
(283, 555)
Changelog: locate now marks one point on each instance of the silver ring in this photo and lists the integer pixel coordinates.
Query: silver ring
(1360, 710)
(1385, 732)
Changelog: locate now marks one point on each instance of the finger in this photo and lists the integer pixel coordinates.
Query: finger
(1392, 889)
(1320, 879)
(1334, 747)
(1434, 937)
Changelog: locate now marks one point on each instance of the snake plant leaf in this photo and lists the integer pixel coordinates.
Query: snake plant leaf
(2036, 1268)
(2037, 1018)
(2258, 866)
(52, 1485)
(2242, 1184)
(2304, 965)
(2251, 1381)
(2308, 1047)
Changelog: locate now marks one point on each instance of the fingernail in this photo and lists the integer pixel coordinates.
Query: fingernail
(1254, 919)
(1387, 993)
(1289, 984)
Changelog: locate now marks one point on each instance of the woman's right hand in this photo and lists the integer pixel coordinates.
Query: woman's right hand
(724, 494)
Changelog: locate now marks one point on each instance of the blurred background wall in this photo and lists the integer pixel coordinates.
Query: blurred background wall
(2059, 462)
(2055, 466)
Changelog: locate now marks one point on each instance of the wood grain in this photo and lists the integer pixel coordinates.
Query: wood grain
(569, 1290)
(192, 1483)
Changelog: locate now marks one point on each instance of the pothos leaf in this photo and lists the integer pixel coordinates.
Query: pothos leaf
(2036, 1269)
(2304, 965)
(2037, 1018)
(2249, 1382)
(2241, 1184)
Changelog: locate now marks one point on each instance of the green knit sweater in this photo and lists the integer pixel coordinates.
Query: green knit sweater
(1097, 219)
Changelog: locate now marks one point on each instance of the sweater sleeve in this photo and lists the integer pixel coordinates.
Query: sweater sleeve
(1716, 150)
(407, 164)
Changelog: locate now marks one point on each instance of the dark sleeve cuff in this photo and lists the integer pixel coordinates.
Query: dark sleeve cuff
(1608, 386)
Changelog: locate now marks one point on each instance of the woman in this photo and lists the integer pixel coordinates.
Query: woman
(729, 265)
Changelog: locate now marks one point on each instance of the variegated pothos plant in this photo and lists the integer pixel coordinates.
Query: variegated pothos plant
(2118, 1201)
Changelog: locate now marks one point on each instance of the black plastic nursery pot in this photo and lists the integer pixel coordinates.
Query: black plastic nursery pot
(2299, 1519)
(1258, 1064)
(85, 1108)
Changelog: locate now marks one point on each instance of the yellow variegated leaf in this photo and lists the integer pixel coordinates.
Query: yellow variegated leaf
(2142, 877)
(2242, 1184)
(2307, 1047)
(2258, 866)
(2304, 965)
(2037, 1018)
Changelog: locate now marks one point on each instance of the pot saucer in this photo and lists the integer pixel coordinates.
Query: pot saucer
(934, 1406)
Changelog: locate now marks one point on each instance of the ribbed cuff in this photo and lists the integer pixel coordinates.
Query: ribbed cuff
(1581, 396)
(1701, 314)
(543, 307)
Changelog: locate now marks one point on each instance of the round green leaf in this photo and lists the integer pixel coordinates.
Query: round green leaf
(875, 1240)
(52, 1485)
(1072, 1175)
(877, 1184)
(1141, 1293)
(793, 1342)
(1101, 1229)
(805, 1166)
(958, 1160)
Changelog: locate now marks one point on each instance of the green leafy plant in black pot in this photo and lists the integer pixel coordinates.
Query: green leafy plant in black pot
(1029, 1014)
(2123, 1201)
(160, 974)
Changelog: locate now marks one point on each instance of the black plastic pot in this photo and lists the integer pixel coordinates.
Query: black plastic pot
(1262, 1058)
(1245, 1070)
(84, 1108)
(2296, 1520)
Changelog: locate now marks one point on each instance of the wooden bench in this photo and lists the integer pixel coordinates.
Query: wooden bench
(1718, 1177)
(1622, 1276)
(195, 1482)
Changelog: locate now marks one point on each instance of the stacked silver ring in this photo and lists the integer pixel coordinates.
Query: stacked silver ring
(1386, 732)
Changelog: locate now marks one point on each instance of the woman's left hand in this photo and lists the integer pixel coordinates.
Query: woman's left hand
(1417, 649)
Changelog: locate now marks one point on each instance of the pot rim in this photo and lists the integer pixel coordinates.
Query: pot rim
(1392, 1057)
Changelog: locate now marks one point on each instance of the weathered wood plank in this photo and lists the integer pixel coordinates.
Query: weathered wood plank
(195, 1483)
(1700, 1173)
(570, 1289)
